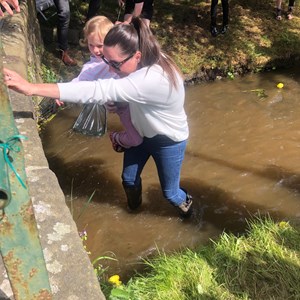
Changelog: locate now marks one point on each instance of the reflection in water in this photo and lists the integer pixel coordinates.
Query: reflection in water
(242, 159)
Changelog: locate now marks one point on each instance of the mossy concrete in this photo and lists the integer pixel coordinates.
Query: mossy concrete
(71, 274)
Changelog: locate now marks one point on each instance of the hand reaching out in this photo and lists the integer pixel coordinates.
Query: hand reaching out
(5, 4)
(16, 82)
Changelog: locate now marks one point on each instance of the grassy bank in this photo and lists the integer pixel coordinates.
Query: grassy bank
(262, 264)
(255, 40)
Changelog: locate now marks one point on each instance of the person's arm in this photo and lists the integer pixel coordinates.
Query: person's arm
(121, 3)
(6, 5)
(17, 83)
(137, 87)
(138, 7)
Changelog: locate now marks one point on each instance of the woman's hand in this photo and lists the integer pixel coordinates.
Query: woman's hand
(6, 5)
(16, 82)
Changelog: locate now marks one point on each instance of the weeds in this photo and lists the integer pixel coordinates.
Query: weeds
(262, 264)
(113, 284)
(48, 75)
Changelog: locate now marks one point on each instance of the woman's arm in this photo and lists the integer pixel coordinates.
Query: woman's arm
(17, 83)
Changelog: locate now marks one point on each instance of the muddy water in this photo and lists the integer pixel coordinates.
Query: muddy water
(243, 159)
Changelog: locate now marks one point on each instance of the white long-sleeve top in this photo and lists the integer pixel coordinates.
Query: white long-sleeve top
(155, 106)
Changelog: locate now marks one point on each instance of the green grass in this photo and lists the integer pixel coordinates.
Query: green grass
(264, 263)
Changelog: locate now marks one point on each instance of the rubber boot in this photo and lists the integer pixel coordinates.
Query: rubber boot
(134, 196)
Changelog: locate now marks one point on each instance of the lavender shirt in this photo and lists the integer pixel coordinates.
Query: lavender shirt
(97, 69)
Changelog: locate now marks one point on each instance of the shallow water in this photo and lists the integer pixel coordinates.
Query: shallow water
(242, 160)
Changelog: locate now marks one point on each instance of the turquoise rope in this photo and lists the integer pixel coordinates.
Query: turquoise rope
(9, 145)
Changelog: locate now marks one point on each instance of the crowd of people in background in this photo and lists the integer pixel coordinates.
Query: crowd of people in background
(132, 8)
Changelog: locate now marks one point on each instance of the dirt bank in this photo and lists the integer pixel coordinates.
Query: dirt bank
(255, 40)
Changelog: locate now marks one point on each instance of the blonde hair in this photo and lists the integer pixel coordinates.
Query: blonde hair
(99, 24)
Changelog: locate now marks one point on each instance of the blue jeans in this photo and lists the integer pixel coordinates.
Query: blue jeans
(168, 156)
(63, 14)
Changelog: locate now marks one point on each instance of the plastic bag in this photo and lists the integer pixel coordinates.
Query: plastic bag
(92, 120)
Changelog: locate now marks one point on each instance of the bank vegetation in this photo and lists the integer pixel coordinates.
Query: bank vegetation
(255, 41)
(263, 263)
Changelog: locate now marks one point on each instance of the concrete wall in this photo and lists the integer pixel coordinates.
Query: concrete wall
(71, 274)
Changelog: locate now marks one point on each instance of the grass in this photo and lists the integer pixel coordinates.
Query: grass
(255, 40)
(262, 264)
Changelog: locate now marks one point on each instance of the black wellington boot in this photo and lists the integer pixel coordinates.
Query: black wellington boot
(134, 196)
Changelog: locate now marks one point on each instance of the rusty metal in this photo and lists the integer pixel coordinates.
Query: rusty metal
(5, 195)
(19, 241)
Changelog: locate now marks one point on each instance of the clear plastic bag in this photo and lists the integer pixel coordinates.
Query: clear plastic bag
(92, 120)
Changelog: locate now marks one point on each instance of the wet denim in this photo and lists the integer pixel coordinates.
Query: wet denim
(168, 156)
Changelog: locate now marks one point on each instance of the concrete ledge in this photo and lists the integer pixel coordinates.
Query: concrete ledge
(71, 274)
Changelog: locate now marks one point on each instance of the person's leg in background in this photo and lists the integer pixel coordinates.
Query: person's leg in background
(225, 7)
(94, 6)
(290, 9)
(278, 10)
(63, 13)
(213, 18)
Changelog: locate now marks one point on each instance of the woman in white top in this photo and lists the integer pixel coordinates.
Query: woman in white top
(153, 86)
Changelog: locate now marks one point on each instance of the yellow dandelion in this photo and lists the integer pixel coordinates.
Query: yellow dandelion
(283, 224)
(115, 280)
(280, 85)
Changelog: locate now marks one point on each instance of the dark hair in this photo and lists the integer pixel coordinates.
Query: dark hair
(137, 36)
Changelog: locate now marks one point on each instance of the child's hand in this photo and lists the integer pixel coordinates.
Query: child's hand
(111, 107)
(59, 103)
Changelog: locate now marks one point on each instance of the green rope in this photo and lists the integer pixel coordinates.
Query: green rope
(9, 145)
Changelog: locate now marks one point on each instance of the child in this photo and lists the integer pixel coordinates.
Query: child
(95, 31)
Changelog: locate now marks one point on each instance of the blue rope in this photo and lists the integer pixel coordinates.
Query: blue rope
(9, 145)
